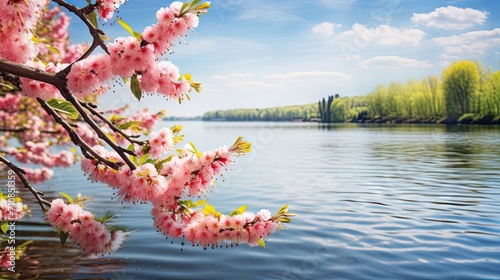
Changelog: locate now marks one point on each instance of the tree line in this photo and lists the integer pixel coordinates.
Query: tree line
(466, 92)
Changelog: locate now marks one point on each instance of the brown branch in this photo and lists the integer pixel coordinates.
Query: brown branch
(87, 151)
(129, 138)
(27, 72)
(120, 150)
(20, 173)
(94, 31)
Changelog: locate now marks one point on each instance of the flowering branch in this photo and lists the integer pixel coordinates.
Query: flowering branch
(87, 151)
(151, 170)
(129, 138)
(94, 31)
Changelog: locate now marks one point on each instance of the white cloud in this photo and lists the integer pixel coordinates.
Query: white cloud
(392, 62)
(470, 42)
(325, 29)
(302, 74)
(384, 35)
(451, 17)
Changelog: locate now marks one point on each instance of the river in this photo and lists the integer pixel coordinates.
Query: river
(372, 202)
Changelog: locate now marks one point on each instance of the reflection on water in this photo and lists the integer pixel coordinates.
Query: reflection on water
(373, 202)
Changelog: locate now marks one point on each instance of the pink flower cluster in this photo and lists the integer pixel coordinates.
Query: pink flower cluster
(170, 25)
(147, 119)
(92, 236)
(38, 175)
(211, 231)
(160, 142)
(17, 20)
(12, 211)
(194, 172)
(10, 102)
(186, 174)
(128, 56)
(5, 261)
(182, 173)
(57, 23)
(38, 153)
(106, 8)
(88, 76)
(142, 184)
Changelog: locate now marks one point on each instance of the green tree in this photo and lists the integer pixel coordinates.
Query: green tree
(460, 83)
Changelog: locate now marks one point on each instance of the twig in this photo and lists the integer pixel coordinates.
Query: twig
(94, 31)
(19, 172)
(86, 149)
(90, 107)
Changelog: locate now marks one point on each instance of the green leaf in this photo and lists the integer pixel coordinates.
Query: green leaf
(63, 236)
(108, 216)
(199, 203)
(116, 228)
(52, 49)
(135, 87)
(137, 35)
(184, 6)
(110, 136)
(63, 106)
(143, 159)
(194, 3)
(187, 203)
(130, 147)
(262, 243)
(176, 129)
(283, 209)
(67, 196)
(5, 226)
(159, 164)
(129, 124)
(194, 150)
(92, 17)
(238, 211)
(209, 209)
(127, 27)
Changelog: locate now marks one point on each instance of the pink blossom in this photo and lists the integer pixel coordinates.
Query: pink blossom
(106, 8)
(12, 211)
(128, 56)
(89, 75)
(160, 142)
(144, 184)
(93, 237)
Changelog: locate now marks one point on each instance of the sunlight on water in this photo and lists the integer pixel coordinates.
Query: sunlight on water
(372, 202)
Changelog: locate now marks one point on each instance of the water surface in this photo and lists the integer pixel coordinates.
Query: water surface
(372, 202)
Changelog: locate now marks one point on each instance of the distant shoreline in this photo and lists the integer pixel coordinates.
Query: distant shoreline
(486, 120)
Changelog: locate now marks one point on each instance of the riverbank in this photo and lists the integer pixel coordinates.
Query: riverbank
(465, 119)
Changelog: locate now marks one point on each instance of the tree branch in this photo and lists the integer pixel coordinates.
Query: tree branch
(27, 72)
(120, 150)
(129, 138)
(20, 173)
(94, 31)
(87, 151)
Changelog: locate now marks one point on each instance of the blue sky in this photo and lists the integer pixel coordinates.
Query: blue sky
(256, 54)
